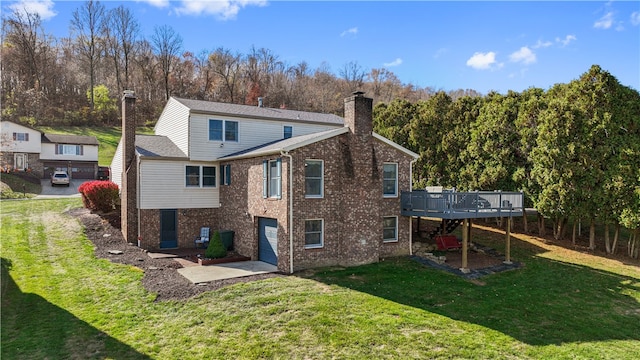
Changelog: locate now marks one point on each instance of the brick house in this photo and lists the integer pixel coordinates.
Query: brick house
(299, 189)
(28, 149)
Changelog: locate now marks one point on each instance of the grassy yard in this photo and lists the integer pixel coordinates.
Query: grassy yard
(108, 137)
(60, 302)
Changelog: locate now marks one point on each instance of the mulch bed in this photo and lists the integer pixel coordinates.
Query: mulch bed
(160, 275)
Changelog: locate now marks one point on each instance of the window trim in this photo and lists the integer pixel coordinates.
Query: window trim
(315, 196)
(188, 176)
(214, 176)
(201, 176)
(284, 131)
(395, 193)
(225, 174)
(314, 246)
(78, 150)
(395, 228)
(268, 179)
(224, 130)
(17, 135)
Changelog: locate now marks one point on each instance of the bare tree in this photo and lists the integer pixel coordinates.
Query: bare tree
(227, 66)
(121, 31)
(86, 22)
(384, 83)
(353, 75)
(167, 44)
(27, 58)
(205, 75)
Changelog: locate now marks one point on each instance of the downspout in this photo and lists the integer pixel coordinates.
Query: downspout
(138, 197)
(410, 219)
(286, 153)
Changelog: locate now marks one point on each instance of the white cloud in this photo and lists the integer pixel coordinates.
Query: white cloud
(395, 62)
(352, 31)
(567, 39)
(224, 9)
(524, 55)
(605, 22)
(157, 3)
(440, 52)
(482, 61)
(542, 44)
(44, 8)
(635, 18)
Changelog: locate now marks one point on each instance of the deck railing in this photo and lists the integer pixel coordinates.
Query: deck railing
(461, 205)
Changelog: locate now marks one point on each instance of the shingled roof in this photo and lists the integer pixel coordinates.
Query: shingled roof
(69, 139)
(275, 147)
(216, 108)
(156, 146)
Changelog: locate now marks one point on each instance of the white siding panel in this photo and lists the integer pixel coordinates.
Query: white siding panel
(251, 133)
(174, 124)
(116, 166)
(10, 145)
(89, 153)
(162, 186)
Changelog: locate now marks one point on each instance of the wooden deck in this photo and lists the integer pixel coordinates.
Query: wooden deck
(462, 205)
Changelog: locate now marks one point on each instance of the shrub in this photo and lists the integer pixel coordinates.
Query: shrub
(99, 195)
(216, 249)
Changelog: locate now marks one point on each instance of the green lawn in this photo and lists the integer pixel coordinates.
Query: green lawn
(60, 302)
(108, 137)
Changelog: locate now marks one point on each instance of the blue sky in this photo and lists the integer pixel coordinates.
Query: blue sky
(499, 45)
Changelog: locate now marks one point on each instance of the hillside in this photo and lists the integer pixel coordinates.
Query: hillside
(108, 137)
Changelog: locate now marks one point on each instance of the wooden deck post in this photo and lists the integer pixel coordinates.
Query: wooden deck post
(507, 259)
(465, 245)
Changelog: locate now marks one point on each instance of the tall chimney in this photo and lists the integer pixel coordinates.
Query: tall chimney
(358, 114)
(128, 200)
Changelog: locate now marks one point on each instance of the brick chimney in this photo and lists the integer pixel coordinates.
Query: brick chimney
(129, 206)
(358, 114)
(362, 214)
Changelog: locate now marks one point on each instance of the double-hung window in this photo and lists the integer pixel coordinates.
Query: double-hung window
(313, 178)
(200, 176)
(223, 130)
(313, 233)
(390, 180)
(272, 179)
(20, 136)
(65, 149)
(390, 229)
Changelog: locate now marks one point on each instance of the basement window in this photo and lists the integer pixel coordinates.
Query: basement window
(313, 233)
(390, 229)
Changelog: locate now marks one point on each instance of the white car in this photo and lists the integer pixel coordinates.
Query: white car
(60, 178)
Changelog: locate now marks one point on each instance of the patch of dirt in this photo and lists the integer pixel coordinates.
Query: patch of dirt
(474, 260)
(160, 275)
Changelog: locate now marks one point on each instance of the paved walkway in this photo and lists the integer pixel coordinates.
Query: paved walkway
(202, 274)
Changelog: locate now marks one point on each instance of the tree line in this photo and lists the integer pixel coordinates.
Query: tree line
(574, 150)
(78, 80)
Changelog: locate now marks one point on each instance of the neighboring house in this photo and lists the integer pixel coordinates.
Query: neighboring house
(298, 189)
(27, 149)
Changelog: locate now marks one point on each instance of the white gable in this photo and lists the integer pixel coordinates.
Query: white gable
(19, 138)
